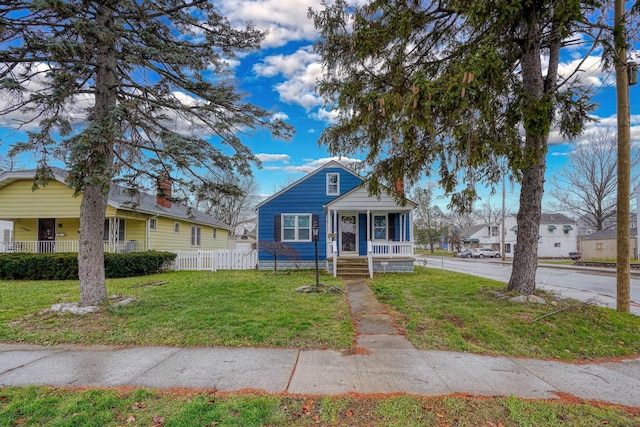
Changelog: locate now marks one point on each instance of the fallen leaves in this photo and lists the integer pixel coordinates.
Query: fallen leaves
(138, 405)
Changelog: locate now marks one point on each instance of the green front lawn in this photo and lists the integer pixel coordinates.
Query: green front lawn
(225, 308)
(438, 310)
(442, 310)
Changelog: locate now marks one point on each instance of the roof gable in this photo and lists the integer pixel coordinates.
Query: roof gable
(360, 195)
(331, 164)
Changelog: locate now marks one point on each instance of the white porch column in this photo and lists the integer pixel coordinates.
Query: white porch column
(368, 225)
(334, 244)
(410, 227)
(369, 247)
(327, 222)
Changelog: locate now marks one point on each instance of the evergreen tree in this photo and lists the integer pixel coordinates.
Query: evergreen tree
(443, 87)
(125, 89)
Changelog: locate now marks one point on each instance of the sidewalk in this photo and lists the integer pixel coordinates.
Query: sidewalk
(385, 362)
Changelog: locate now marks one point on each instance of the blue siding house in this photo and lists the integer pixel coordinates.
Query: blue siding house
(353, 226)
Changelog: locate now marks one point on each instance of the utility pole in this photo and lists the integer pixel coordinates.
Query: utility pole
(503, 218)
(623, 277)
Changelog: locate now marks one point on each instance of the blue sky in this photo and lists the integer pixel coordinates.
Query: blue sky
(282, 76)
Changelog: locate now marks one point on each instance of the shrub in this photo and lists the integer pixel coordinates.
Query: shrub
(136, 263)
(64, 266)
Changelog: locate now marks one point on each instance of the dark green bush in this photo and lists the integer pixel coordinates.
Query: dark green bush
(136, 263)
(64, 266)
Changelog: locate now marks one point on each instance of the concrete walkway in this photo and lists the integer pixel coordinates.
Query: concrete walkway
(387, 363)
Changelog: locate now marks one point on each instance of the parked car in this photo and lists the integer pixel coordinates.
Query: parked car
(484, 252)
(575, 255)
(464, 254)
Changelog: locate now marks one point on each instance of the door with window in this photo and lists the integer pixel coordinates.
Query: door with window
(348, 234)
(46, 234)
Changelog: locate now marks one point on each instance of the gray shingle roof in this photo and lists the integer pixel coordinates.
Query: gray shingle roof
(471, 230)
(608, 234)
(125, 199)
(555, 218)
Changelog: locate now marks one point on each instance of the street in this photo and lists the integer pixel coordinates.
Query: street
(581, 283)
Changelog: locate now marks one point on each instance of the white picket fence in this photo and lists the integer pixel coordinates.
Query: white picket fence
(216, 259)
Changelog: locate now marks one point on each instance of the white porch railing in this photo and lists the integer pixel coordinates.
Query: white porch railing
(68, 246)
(217, 259)
(392, 249)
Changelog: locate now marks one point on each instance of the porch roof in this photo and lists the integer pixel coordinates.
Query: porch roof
(359, 199)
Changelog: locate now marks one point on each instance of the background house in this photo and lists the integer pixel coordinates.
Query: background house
(603, 244)
(47, 219)
(557, 236)
(470, 236)
(353, 226)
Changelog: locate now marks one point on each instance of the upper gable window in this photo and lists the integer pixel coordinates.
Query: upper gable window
(333, 184)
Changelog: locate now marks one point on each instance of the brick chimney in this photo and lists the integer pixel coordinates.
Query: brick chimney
(164, 191)
(400, 186)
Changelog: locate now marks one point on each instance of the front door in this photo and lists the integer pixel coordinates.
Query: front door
(348, 234)
(46, 234)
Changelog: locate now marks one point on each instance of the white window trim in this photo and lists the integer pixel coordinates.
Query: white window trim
(153, 224)
(196, 236)
(337, 184)
(176, 227)
(386, 228)
(297, 229)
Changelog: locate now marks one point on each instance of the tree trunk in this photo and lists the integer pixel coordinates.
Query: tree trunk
(97, 166)
(93, 288)
(525, 259)
(537, 120)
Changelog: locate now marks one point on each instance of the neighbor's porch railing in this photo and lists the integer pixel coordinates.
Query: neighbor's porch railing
(68, 246)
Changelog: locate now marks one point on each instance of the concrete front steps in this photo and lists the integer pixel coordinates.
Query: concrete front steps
(352, 267)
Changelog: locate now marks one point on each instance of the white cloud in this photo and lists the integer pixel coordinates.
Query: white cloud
(329, 116)
(314, 164)
(28, 120)
(592, 129)
(283, 20)
(300, 70)
(308, 165)
(265, 157)
(588, 71)
(279, 116)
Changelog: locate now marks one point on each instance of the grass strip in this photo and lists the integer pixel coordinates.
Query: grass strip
(43, 406)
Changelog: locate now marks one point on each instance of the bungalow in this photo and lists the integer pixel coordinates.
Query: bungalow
(48, 219)
(357, 232)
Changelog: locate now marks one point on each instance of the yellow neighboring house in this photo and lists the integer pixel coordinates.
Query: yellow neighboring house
(47, 219)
